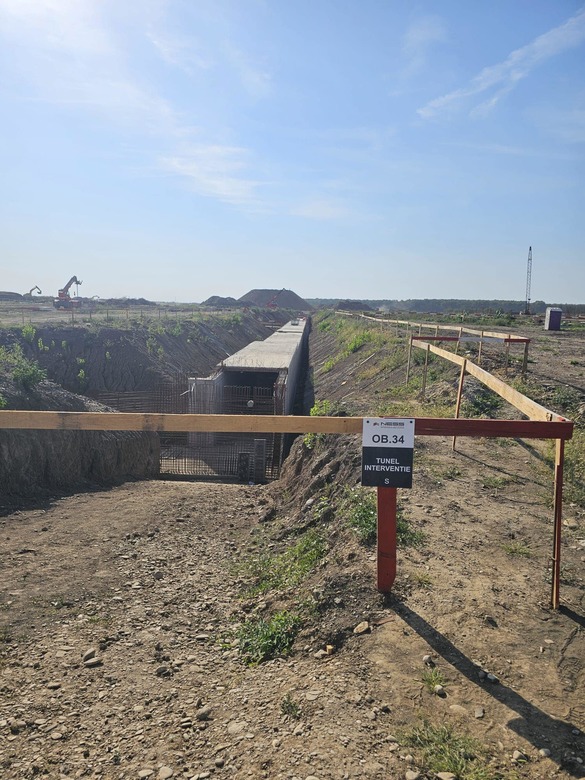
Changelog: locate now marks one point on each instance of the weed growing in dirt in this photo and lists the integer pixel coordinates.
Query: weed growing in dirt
(451, 473)
(261, 640)
(361, 509)
(433, 677)
(517, 550)
(443, 750)
(274, 572)
(3, 402)
(494, 483)
(291, 708)
(321, 408)
(423, 580)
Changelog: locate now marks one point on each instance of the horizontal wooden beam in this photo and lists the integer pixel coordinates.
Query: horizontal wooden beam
(244, 423)
(520, 401)
(492, 334)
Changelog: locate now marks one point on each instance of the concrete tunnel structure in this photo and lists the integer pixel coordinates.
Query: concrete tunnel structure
(263, 378)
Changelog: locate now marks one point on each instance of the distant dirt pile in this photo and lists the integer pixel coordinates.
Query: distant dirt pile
(281, 299)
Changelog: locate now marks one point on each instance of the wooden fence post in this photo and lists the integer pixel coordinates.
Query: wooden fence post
(558, 511)
(408, 363)
(459, 394)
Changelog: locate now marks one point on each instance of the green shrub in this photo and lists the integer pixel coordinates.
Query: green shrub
(26, 372)
(28, 332)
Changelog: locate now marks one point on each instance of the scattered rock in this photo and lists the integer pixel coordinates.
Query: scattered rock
(428, 660)
(518, 755)
(439, 690)
(362, 628)
(492, 678)
(204, 713)
(544, 752)
(446, 776)
(54, 686)
(458, 709)
(479, 712)
(92, 662)
(89, 654)
(165, 772)
(412, 774)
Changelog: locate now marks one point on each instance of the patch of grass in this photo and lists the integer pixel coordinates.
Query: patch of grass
(451, 473)
(442, 749)
(290, 707)
(495, 483)
(422, 579)
(432, 677)
(261, 640)
(482, 402)
(362, 515)
(517, 550)
(274, 572)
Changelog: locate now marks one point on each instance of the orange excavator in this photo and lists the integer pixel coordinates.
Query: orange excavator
(64, 300)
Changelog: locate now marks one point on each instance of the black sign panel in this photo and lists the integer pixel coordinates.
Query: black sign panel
(387, 467)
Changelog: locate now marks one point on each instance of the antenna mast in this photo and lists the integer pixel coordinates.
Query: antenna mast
(528, 280)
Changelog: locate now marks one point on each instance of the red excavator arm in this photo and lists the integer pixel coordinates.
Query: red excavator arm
(63, 299)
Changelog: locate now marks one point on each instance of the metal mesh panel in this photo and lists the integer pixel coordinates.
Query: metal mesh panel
(242, 456)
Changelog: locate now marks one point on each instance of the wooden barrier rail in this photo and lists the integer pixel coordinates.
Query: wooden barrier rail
(236, 423)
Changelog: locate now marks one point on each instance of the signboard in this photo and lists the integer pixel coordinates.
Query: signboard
(387, 452)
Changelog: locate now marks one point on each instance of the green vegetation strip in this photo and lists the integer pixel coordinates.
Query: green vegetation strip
(274, 572)
(360, 508)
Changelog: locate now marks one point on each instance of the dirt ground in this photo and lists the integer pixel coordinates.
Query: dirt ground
(119, 611)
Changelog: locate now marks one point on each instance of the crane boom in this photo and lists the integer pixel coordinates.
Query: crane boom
(528, 280)
(63, 299)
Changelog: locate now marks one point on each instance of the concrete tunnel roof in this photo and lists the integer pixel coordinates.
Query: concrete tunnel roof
(273, 354)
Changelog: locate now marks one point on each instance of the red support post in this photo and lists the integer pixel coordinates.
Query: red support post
(386, 551)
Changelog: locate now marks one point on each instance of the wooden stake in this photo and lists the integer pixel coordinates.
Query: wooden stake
(408, 363)
(424, 383)
(459, 395)
(480, 349)
(558, 511)
(525, 361)
(386, 548)
(457, 346)
(507, 354)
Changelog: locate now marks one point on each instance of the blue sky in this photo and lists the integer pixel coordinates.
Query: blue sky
(175, 149)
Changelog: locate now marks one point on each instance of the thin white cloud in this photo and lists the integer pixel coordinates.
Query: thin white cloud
(504, 76)
(214, 171)
(184, 53)
(322, 209)
(420, 37)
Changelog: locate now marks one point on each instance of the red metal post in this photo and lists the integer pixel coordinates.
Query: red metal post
(556, 558)
(386, 538)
